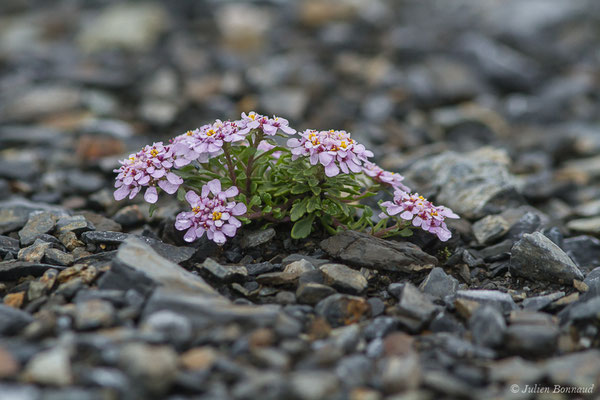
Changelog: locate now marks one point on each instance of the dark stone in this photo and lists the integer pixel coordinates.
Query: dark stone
(13, 270)
(537, 258)
(77, 224)
(499, 300)
(528, 223)
(342, 309)
(439, 284)
(584, 250)
(256, 238)
(538, 303)
(175, 254)
(12, 321)
(364, 250)
(261, 268)
(37, 224)
(311, 293)
(14, 213)
(8, 245)
(487, 326)
(380, 327)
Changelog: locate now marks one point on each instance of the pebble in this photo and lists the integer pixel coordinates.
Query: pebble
(364, 250)
(439, 284)
(222, 272)
(51, 367)
(499, 300)
(487, 326)
(152, 367)
(342, 309)
(94, 314)
(312, 293)
(537, 258)
(490, 228)
(37, 224)
(343, 278)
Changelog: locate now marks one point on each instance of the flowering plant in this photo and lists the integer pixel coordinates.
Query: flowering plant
(233, 172)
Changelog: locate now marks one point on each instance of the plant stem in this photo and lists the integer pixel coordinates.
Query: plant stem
(385, 231)
(253, 143)
(230, 165)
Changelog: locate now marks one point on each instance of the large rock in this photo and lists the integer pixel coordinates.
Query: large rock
(537, 258)
(172, 253)
(364, 250)
(473, 185)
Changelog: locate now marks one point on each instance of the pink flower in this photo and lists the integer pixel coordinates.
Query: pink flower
(269, 126)
(149, 167)
(214, 214)
(206, 142)
(421, 212)
(332, 149)
(266, 146)
(380, 175)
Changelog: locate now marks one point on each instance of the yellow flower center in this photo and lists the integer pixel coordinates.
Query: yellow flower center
(252, 116)
(216, 215)
(421, 197)
(153, 152)
(196, 210)
(210, 132)
(343, 144)
(189, 133)
(434, 213)
(132, 158)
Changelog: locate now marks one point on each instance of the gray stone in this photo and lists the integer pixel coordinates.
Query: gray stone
(41, 100)
(132, 26)
(37, 224)
(342, 309)
(289, 276)
(140, 257)
(14, 213)
(414, 306)
(439, 284)
(538, 303)
(76, 224)
(560, 369)
(313, 385)
(224, 272)
(94, 314)
(343, 278)
(311, 292)
(531, 333)
(12, 320)
(380, 327)
(171, 326)
(490, 228)
(537, 258)
(583, 250)
(34, 253)
(51, 367)
(256, 238)
(399, 374)
(8, 246)
(487, 326)
(367, 251)
(13, 270)
(174, 254)
(473, 185)
(57, 257)
(589, 225)
(501, 301)
(152, 367)
(354, 370)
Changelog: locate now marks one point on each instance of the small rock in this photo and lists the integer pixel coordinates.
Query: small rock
(487, 326)
(14, 300)
(399, 374)
(38, 224)
(12, 320)
(589, 225)
(94, 314)
(151, 367)
(34, 253)
(171, 326)
(439, 284)
(51, 367)
(583, 250)
(8, 246)
(367, 251)
(9, 367)
(224, 272)
(414, 306)
(536, 257)
(199, 358)
(43, 285)
(532, 333)
(538, 303)
(343, 278)
(501, 301)
(313, 385)
(311, 293)
(57, 257)
(76, 224)
(256, 238)
(341, 309)
(490, 228)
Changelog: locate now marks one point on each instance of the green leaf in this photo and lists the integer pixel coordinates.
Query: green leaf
(314, 203)
(406, 232)
(267, 209)
(303, 227)
(299, 188)
(181, 194)
(255, 201)
(152, 209)
(298, 209)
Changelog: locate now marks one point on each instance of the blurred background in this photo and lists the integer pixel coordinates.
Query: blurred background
(84, 82)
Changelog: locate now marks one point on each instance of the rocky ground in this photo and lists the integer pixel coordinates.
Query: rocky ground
(488, 107)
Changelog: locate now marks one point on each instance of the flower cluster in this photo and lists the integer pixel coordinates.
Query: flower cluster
(421, 211)
(380, 175)
(311, 180)
(149, 167)
(214, 214)
(206, 142)
(332, 149)
(269, 126)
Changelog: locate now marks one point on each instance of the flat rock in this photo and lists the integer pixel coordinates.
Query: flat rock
(14, 213)
(499, 300)
(367, 251)
(256, 238)
(8, 245)
(139, 256)
(538, 303)
(312, 292)
(473, 184)
(13, 270)
(12, 320)
(537, 258)
(414, 306)
(172, 253)
(37, 224)
(490, 228)
(487, 326)
(584, 250)
(75, 223)
(439, 284)
(342, 309)
(343, 278)
(223, 272)
(585, 225)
